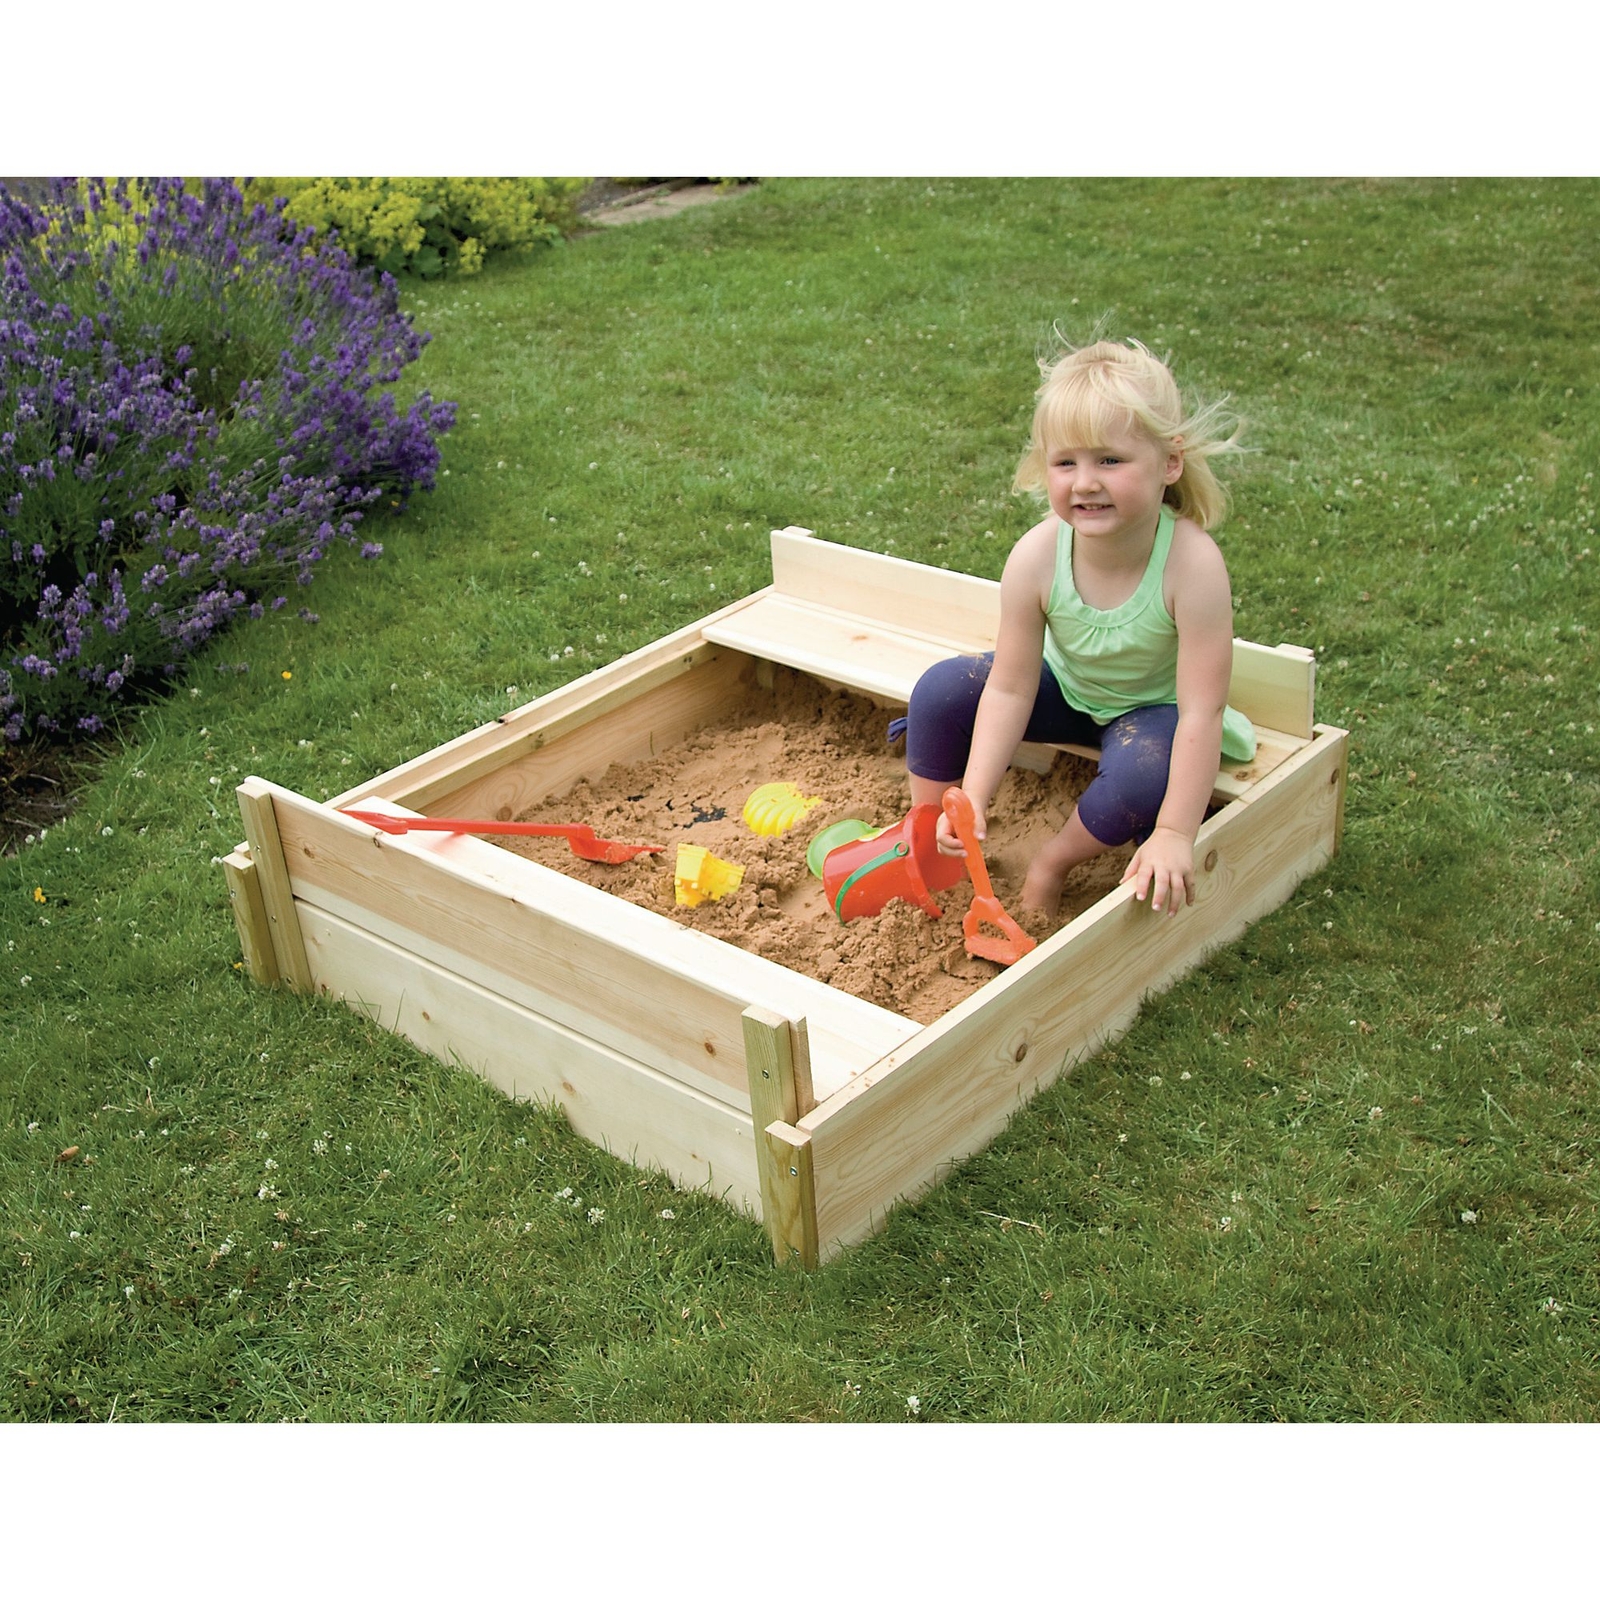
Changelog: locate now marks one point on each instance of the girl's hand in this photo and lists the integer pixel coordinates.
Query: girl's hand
(1163, 869)
(949, 844)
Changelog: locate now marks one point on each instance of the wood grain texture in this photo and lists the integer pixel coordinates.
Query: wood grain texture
(791, 1220)
(669, 996)
(619, 1104)
(896, 1128)
(250, 918)
(452, 767)
(258, 808)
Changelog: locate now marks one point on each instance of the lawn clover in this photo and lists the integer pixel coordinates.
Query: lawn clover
(913, 1406)
(1469, 1217)
(597, 1215)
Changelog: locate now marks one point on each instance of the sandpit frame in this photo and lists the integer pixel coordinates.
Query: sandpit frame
(809, 1107)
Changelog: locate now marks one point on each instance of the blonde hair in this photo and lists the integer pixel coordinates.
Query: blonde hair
(1104, 390)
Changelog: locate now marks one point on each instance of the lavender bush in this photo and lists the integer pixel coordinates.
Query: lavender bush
(191, 415)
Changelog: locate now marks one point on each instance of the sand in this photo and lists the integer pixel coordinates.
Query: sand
(832, 745)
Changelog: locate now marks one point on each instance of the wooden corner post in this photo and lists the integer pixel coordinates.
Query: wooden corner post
(250, 918)
(778, 1058)
(287, 941)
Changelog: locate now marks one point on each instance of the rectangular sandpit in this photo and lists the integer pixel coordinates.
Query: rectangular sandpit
(754, 1047)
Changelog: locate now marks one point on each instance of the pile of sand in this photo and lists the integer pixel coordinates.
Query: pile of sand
(831, 745)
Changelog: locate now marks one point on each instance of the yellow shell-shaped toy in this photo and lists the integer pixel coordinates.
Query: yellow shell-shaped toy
(699, 875)
(775, 808)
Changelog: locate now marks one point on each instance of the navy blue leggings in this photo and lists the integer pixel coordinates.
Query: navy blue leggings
(1135, 751)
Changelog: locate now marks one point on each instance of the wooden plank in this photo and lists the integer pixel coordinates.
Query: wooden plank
(669, 996)
(886, 664)
(954, 613)
(257, 807)
(250, 918)
(1274, 686)
(635, 728)
(418, 782)
(955, 608)
(791, 1220)
(870, 657)
(778, 1061)
(1342, 783)
(777, 1057)
(896, 1128)
(643, 1116)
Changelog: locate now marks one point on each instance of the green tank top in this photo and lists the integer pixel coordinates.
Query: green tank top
(1109, 662)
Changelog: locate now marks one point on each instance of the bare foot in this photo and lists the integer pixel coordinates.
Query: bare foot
(1041, 890)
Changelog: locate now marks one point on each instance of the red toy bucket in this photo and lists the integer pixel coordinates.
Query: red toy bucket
(901, 863)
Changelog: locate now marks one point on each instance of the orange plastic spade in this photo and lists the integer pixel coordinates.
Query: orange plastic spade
(579, 835)
(985, 907)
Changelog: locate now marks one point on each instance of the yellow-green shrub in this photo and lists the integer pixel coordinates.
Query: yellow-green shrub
(430, 225)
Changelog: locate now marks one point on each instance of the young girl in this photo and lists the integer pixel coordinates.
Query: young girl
(1116, 629)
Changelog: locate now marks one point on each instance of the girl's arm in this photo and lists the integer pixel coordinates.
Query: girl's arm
(1013, 686)
(1202, 607)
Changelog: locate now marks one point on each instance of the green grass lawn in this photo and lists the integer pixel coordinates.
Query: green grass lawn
(1346, 1170)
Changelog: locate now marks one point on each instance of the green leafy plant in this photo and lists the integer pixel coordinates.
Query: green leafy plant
(430, 226)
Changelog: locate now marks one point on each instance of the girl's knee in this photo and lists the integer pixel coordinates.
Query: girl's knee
(1123, 802)
(940, 716)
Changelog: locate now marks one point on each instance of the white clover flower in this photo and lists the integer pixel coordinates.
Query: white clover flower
(266, 1192)
(1552, 1307)
(596, 1215)
(1225, 1225)
(564, 1194)
(105, 833)
(1374, 1113)
(913, 1406)
(1155, 1082)
(667, 1214)
(270, 1164)
(1184, 1076)
(127, 1291)
(1122, 1138)
(1469, 1217)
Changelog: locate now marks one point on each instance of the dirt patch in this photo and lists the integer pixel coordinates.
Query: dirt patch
(831, 745)
(40, 786)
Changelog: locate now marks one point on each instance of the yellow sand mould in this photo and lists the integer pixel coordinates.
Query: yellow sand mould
(775, 808)
(699, 875)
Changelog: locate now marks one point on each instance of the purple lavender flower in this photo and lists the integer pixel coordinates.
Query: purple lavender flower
(195, 470)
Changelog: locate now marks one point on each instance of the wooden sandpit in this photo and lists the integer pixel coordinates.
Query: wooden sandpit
(814, 1072)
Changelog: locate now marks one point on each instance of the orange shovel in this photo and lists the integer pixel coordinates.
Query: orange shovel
(985, 907)
(579, 835)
